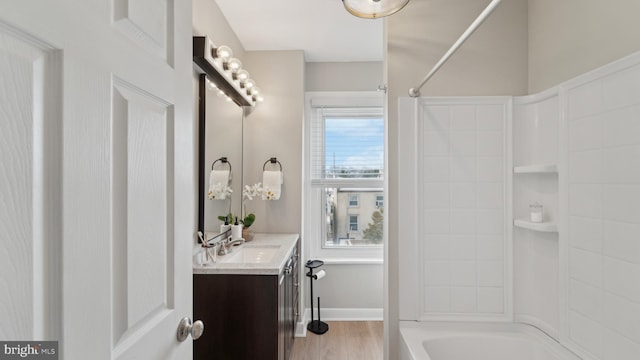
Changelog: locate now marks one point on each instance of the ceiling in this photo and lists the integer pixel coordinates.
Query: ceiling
(322, 28)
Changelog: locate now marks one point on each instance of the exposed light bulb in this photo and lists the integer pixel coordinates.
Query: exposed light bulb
(242, 75)
(233, 65)
(249, 84)
(224, 53)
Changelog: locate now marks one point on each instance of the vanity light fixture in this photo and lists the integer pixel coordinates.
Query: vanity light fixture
(373, 9)
(224, 72)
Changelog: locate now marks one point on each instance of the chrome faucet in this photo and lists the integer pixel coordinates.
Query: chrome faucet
(236, 242)
(222, 247)
(225, 246)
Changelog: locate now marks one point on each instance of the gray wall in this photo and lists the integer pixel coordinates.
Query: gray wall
(344, 76)
(570, 37)
(349, 287)
(274, 129)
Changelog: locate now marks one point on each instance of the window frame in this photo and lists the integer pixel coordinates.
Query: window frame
(379, 203)
(357, 202)
(357, 104)
(357, 223)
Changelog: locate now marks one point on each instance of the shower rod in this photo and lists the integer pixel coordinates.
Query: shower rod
(415, 91)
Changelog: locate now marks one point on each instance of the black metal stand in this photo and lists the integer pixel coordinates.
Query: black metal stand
(315, 326)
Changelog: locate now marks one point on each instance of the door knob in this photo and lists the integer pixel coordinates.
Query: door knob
(186, 328)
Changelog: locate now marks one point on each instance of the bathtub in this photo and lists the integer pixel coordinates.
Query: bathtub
(478, 341)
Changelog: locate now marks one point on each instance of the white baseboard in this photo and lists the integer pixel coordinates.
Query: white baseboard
(338, 315)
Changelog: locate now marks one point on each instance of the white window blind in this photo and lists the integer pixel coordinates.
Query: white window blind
(347, 146)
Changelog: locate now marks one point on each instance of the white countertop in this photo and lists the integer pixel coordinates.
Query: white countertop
(284, 244)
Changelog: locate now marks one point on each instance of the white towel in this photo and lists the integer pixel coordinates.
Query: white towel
(271, 183)
(217, 180)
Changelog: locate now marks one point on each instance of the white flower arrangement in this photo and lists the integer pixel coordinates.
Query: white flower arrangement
(252, 191)
(249, 193)
(220, 191)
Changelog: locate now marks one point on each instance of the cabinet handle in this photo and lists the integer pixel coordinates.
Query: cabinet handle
(287, 270)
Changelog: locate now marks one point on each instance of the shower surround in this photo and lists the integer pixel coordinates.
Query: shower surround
(470, 167)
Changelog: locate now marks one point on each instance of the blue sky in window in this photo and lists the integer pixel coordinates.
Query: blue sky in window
(354, 143)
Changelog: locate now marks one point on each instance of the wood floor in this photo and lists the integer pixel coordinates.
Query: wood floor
(345, 340)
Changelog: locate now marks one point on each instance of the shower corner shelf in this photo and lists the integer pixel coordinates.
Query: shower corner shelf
(549, 227)
(536, 169)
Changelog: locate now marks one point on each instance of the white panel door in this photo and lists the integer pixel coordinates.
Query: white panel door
(97, 211)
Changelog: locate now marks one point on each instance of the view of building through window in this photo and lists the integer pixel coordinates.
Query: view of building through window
(354, 153)
(347, 225)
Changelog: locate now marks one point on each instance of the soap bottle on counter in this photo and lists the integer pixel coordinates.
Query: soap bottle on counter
(226, 226)
(236, 230)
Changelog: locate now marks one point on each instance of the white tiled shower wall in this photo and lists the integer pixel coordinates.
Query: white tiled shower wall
(450, 262)
(463, 206)
(603, 208)
(536, 258)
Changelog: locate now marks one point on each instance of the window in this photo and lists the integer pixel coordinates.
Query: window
(345, 176)
(353, 200)
(379, 201)
(353, 222)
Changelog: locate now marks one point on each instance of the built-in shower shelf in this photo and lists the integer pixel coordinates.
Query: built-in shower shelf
(536, 169)
(542, 227)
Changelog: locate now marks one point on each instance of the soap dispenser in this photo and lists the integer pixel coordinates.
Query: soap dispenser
(226, 226)
(236, 230)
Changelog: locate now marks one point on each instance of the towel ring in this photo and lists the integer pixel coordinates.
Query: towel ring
(222, 160)
(272, 161)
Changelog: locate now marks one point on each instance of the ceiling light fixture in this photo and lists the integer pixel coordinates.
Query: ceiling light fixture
(373, 9)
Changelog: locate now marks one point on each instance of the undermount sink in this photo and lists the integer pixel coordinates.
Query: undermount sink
(253, 254)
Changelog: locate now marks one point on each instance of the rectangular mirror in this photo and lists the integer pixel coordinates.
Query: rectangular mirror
(222, 138)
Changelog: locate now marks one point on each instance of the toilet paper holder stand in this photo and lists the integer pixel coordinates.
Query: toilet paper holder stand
(315, 326)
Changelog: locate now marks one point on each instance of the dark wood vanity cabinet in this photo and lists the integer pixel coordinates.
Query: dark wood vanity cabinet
(289, 314)
(246, 316)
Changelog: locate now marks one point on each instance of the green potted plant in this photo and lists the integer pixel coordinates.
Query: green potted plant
(249, 193)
